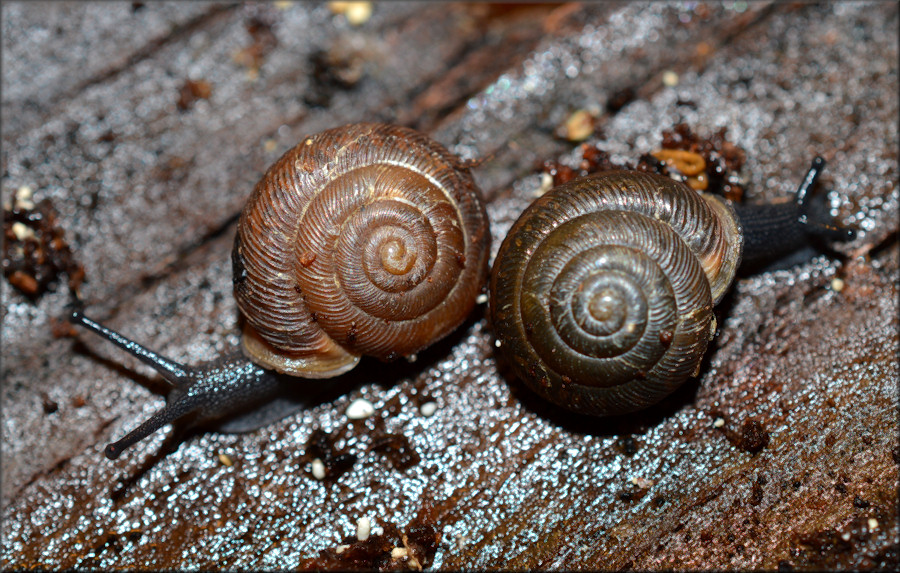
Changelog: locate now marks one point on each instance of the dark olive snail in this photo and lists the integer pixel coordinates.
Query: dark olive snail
(602, 293)
(367, 239)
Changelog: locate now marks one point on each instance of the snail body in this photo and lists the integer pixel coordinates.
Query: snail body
(367, 239)
(602, 293)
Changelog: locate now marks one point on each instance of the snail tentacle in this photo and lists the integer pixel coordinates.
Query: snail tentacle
(773, 230)
(206, 392)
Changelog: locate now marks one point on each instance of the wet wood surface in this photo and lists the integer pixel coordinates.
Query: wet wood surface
(147, 124)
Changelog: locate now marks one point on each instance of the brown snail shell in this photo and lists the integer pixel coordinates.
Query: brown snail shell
(367, 239)
(602, 292)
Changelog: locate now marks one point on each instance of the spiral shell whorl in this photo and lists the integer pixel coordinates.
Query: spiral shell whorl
(601, 292)
(362, 240)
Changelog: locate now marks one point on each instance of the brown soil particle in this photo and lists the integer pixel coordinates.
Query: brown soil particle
(397, 449)
(710, 164)
(754, 437)
(321, 446)
(35, 250)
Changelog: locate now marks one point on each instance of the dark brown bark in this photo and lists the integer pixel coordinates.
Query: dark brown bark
(782, 454)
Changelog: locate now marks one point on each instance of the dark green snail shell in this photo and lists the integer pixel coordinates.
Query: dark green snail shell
(602, 292)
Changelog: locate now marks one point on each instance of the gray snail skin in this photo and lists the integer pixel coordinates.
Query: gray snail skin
(602, 293)
(364, 240)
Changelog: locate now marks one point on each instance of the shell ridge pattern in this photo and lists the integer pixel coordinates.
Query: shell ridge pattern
(425, 222)
(617, 245)
(316, 214)
(584, 214)
(272, 300)
(351, 226)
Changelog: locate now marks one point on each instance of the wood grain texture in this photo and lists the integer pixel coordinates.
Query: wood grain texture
(149, 196)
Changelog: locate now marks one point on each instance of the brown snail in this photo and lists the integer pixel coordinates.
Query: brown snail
(602, 293)
(367, 239)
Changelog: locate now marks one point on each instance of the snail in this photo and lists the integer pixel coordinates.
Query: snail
(366, 239)
(602, 293)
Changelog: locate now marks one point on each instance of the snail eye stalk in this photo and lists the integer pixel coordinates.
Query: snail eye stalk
(818, 165)
(206, 392)
(172, 371)
(823, 229)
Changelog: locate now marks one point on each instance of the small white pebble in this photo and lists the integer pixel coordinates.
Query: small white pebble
(359, 409)
(412, 358)
(359, 13)
(22, 231)
(845, 536)
(498, 343)
(873, 524)
(363, 528)
(377, 530)
(24, 193)
(356, 12)
(546, 184)
(399, 552)
(642, 482)
(341, 548)
(428, 409)
(318, 469)
(481, 299)
(225, 460)
(579, 126)
(670, 78)
(837, 285)
(24, 204)
(718, 422)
